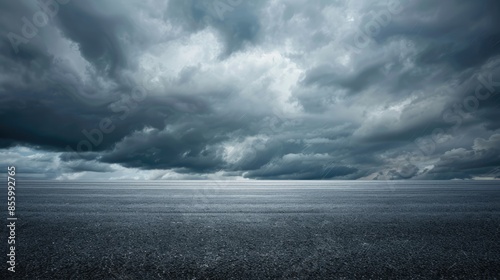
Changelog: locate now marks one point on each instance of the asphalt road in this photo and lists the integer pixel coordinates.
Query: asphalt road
(262, 230)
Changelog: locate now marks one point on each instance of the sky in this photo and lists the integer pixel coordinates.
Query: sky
(233, 89)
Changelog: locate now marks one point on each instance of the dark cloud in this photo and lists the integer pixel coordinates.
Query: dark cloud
(325, 76)
(301, 167)
(251, 89)
(98, 39)
(482, 158)
(236, 21)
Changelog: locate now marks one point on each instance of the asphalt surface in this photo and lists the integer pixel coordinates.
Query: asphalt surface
(261, 230)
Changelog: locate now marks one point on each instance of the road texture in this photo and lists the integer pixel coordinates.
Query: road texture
(256, 230)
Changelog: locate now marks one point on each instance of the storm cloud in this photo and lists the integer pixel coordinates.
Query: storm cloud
(250, 89)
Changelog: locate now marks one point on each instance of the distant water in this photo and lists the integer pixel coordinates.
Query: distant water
(257, 230)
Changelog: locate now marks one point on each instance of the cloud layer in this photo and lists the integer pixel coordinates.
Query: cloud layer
(250, 89)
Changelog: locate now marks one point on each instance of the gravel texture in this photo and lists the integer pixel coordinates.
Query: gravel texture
(259, 230)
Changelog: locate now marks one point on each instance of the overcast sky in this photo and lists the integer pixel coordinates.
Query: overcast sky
(237, 89)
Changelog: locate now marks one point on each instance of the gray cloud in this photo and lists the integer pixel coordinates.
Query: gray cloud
(251, 89)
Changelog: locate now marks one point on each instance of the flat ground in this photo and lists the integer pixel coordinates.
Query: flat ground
(261, 230)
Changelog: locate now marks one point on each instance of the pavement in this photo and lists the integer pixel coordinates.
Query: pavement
(256, 230)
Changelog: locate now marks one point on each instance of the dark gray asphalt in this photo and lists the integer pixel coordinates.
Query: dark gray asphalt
(262, 230)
